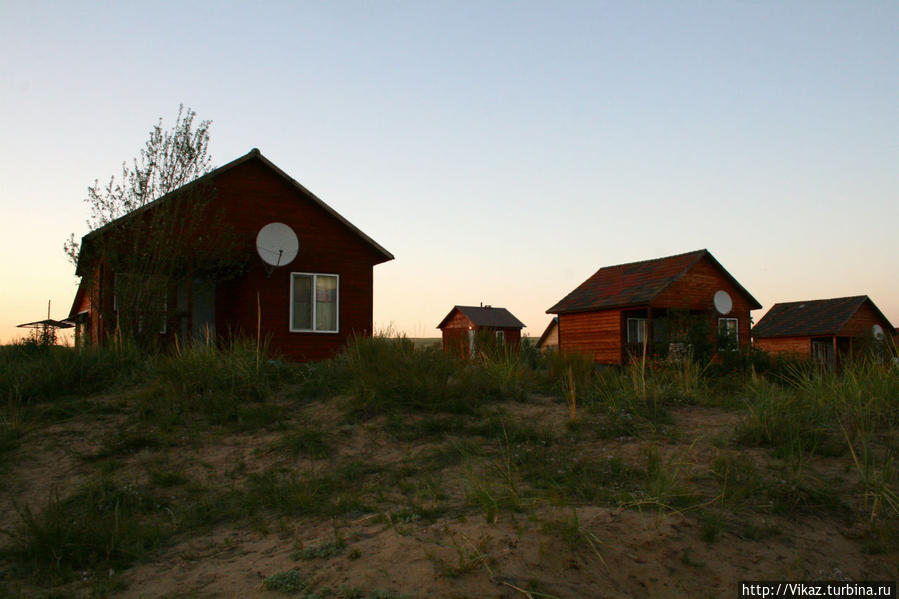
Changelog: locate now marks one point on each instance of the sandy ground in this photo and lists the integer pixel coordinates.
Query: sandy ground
(620, 552)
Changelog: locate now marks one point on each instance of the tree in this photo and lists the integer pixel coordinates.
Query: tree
(169, 160)
(153, 230)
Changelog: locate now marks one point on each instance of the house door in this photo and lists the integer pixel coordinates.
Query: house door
(202, 310)
(822, 352)
(470, 344)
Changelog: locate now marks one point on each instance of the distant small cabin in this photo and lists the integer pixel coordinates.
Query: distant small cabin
(825, 330)
(550, 337)
(665, 306)
(465, 327)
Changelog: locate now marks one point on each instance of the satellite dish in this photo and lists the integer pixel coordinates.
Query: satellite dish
(878, 332)
(722, 301)
(277, 244)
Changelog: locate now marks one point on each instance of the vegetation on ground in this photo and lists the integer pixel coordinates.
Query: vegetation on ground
(800, 444)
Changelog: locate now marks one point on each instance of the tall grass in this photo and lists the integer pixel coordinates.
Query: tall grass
(391, 375)
(813, 411)
(105, 523)
(32, 373)
(219, 384)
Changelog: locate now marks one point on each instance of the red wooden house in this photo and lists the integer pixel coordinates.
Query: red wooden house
(465, 326)
(307, 309)
(611, 315)
(825, 330)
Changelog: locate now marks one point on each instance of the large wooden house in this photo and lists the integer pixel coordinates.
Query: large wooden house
(677, 304)
(826, 330)
(464, 327)
(198, 246)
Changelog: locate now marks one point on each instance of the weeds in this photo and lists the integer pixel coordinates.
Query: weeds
(289, 581)
(320, 550)
(576, 535)
(105, 524)
(312, 442)
(880, 495)
(34, 373)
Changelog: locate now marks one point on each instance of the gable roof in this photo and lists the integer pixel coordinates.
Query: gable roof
(486, 316)
(812, 317)
(636, 283)
(554, 323)
(252, 154)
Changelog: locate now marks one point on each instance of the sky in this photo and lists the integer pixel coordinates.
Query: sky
(502, 151)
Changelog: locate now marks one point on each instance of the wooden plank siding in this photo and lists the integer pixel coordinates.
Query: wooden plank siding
(861, 323)
(695, 291)
(249, 196)
(799, 346)
(595, 334)
(455, 333)
(253, 196)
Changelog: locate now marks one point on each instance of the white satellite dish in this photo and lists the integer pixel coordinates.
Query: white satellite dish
(277, 244)
(877, 330)
(722, 301)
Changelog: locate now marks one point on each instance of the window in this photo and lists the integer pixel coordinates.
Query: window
(728, 334)
(500, 337)
(822, 352)
(636, 330)
(314, 302)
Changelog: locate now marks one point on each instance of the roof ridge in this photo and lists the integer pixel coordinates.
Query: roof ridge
(826, 299)
(698, 252)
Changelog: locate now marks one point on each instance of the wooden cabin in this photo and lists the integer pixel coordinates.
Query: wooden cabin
(665, 306)
(550, 337)
(467, 327)
(205, 277)
(825, 330)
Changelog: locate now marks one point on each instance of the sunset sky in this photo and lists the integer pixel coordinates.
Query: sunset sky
(502, 151)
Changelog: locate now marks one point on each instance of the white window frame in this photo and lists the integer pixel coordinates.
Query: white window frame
(500, 337)
(641, 329)
(736, 322)
(315, 276)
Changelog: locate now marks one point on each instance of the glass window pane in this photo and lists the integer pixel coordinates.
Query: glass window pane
(302, 302)
(326, 303)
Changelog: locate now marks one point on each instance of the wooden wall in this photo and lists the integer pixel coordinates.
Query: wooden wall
(596, 334)
(248, 197)
(252, 196)
(799, 346)
(696, 289)
(455, 334)
(861, 323)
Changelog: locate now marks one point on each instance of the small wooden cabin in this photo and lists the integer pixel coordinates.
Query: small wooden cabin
(825, 330)
(674, 304)
(550, 337)
(215, 283)
(467, 326)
